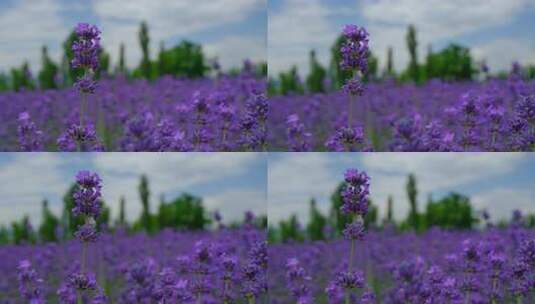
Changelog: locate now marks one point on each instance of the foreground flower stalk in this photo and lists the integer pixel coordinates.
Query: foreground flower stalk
(87, 205)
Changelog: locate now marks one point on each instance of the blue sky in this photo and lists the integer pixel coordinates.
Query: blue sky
(229, 182)
(230, 29)
(498, 31)
(497, 182)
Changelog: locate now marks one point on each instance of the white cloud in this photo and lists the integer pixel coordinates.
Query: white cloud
(192, 169)
(501, 202)
(493, 52)
(25, 28)
(232, 204)
(27, 180)
(295, 178)
(296, 28)
(169, 174)
(231, 51)
(27, 25)
(301, 25)
(168, 19)
(435, 21)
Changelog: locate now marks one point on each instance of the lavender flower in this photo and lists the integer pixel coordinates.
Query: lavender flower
(298, 138)
(29, 283)
(78, 138)
(30, 138)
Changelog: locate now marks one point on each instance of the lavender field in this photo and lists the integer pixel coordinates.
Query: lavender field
(167, 115)
(495, 115)
(171, 267)
(100, 264)
(492, 266)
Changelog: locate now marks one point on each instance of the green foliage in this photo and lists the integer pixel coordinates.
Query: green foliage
(337, 75)
(21, 77)
(70, 73)
(104, 65)
(121, 68)
(316, 78)
(22, 231)
(389, 69)
(412, 193)
(144, 193)
(122, 213)
(370, 220)
(4, 235)
(452, 63)
(316, 222)
(49, 224)
(412, 45)
(289, 82)
(452, 211)
(337, 218)
(290, 229)
(4, 82)
(48, 71)
(185, 212)
(145, 65)
(184, 60)
(389, 210)
(70, 222)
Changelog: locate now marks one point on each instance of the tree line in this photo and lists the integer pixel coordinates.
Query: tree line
(186, 59)
(453, 211)
(185, 212)
(452, 63)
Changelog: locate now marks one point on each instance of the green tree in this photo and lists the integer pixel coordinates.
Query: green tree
(21, 77)
(184, 212)
(338, 219)
(49, 224)
(389, 211)
(337, 74)
(452, 63)
(121, 68)
(144, 40)
(184, 60)
(4, 235)
(4, 82)
(70, 222)
(290, 229)
(22, 231)
(452, 211)
(412, 45)
(412, 193)
(70, 73)
(122, 212)
(316, 77)
(389, 62)
(104, 64)
(289, 82)
(316, 222)
(370, 220)
(48, 71)
(144, 194)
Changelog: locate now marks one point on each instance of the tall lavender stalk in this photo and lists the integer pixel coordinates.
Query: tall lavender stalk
(354, 52)
(86, 50)
(355, 204)
(87, 205)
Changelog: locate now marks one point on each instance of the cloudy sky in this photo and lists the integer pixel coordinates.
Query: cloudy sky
(231, 29)
(229, 182)
(498, 30)
(497, 182)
